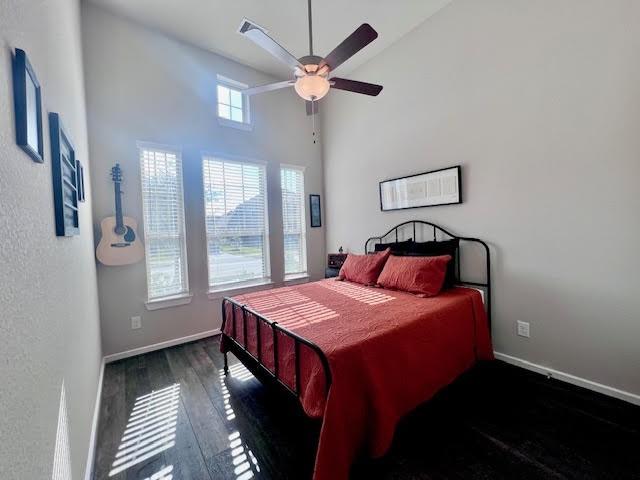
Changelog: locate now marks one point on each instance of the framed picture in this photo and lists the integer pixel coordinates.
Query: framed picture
(65, 179)
(28, 107)
(438, 187)
(80, 180)
(314, 209)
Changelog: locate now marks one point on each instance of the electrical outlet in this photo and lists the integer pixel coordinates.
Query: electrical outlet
(523, 329)
(136, 322)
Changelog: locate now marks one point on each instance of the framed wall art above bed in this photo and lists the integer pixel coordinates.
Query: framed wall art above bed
(438, 187)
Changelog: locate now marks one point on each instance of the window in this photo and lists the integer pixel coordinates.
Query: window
(163, 213)
(233, 105)
(293, 221)
(236, 222)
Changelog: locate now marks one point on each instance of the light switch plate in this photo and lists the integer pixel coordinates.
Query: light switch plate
(136, 322)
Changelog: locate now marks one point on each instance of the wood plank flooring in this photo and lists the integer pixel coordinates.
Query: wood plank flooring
(171, 414)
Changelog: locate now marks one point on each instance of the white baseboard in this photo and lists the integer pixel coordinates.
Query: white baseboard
(94, 426)
(567, 377)
(158, 346)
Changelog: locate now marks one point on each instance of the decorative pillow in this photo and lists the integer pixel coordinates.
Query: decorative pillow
(445, 247)
(421, 275)
(363, 268)
(396, 247)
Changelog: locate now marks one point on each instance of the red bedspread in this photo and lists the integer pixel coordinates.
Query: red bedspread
(388, 352)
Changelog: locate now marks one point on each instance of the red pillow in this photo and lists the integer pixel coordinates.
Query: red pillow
(422, 275)
(363, 268)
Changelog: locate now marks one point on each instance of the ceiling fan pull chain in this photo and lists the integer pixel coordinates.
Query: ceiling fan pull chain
(313, 118)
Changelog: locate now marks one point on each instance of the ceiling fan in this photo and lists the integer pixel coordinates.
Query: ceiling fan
(311, 73)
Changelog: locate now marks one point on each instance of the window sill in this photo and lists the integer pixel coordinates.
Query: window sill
(296, 278)
(169, 302)
(235, 288)
(247, 127)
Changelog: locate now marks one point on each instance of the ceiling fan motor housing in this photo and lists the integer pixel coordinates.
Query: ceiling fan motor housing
(310, 60)
(311, 84)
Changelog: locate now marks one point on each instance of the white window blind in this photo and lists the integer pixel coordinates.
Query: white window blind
(293, 220)
(163, 211)
(236, 221)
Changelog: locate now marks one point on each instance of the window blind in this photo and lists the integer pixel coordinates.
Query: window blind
(293, 220)
(163, 212)
(236, 221)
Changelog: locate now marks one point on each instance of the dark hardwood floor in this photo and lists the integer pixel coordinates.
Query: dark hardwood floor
(171, 414)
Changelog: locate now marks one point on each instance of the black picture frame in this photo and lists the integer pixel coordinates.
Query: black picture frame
(457, 196)
(315, 210)
(27, 97)
(80, 180)
(65, 179)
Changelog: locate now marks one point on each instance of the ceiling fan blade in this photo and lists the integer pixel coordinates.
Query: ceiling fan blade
(312, 107)
(268, 87)
(355, 86)
(260, 38)
(363, 36)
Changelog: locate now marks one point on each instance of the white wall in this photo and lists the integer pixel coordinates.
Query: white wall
(143, 86)
(49, 320)
(539, 101)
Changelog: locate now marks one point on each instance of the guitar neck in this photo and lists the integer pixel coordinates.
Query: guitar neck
(118, 196)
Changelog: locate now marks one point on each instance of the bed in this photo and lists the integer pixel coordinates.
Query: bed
(358, 357)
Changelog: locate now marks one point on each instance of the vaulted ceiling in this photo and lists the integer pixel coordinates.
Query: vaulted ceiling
(213, 24)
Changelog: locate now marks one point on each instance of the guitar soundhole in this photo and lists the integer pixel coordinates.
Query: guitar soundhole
(130, 235)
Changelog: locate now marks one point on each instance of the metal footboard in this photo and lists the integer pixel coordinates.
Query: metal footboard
(251, 361)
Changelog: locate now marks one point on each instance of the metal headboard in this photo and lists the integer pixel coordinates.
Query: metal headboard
(438, 234)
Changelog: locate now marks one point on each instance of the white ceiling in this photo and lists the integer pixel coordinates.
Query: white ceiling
(212, 24)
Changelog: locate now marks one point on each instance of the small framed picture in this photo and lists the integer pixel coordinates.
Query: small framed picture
(28, 107)
(315, 211)
(80, 180)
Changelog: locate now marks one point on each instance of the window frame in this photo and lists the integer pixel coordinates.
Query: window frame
(184, 297)
(303, 223)
(246, 105)
(214, 290)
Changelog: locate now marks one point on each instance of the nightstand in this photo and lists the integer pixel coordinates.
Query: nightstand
(334, 264)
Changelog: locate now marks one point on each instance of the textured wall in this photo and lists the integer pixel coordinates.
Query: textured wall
(142, 86)
(49, 322)
(540, 103)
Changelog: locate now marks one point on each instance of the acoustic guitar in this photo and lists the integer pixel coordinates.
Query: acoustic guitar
(119, 244)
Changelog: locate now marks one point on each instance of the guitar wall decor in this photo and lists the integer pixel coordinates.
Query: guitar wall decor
(120, 243)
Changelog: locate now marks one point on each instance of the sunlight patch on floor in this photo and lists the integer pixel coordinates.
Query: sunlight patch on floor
(151, 429)
(164, 473)
(245, 464)
(239, 372)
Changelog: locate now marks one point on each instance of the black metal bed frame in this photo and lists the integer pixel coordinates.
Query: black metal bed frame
(254, 362)
(437, 228)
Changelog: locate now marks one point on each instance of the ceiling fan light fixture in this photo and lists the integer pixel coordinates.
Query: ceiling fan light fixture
(312, 87)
